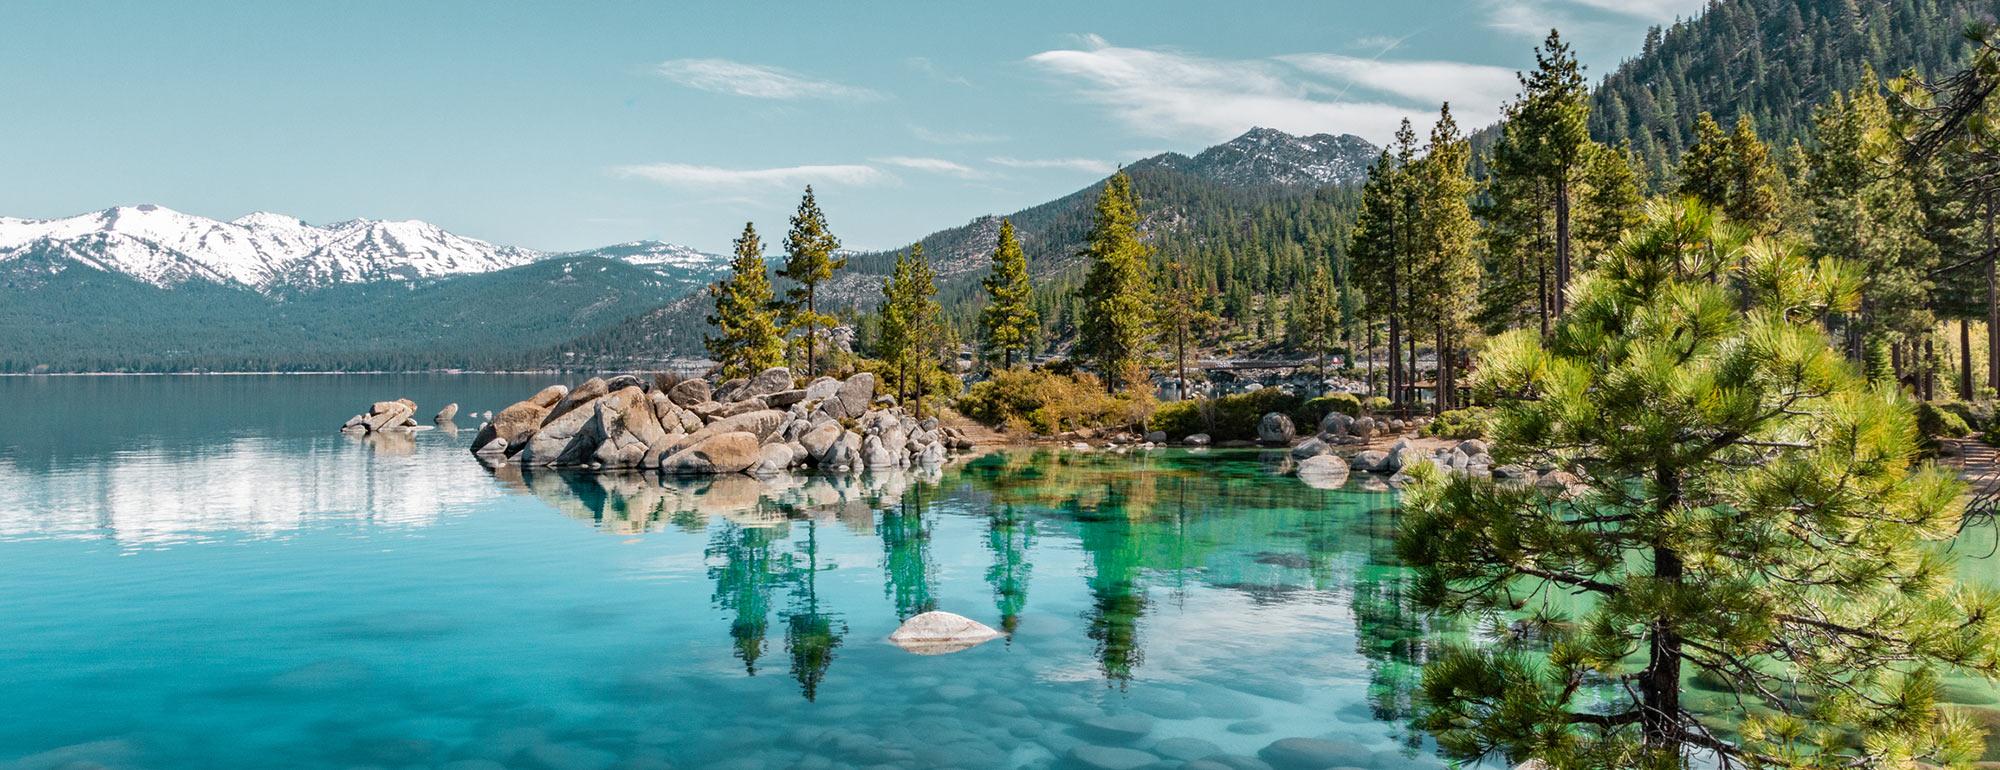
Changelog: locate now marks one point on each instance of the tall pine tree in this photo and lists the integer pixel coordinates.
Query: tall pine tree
(746, 340)
(1009, 322)
(809, 262)
(1117, 294)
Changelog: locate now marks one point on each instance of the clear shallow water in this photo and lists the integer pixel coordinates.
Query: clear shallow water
(198, 572)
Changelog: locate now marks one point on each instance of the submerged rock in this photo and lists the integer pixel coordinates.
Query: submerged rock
(939, 633)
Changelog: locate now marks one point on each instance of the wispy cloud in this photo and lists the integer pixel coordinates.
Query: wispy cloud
(933, 165)
(954, 137)
(689, 175)
(1426, 82)
(758, 81)
(1650, 10)
(1072, 164)
(1602, 21)
(930, 68)
(1177, 95)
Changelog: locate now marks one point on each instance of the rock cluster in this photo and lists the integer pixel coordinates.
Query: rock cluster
(398, 416)
(762, 425)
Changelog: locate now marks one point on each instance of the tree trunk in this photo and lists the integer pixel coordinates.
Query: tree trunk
(1660, 685)
(1964, 360)
(1395, 343)
(812, 320)
(1438, 391)
(1927, 369)
(1562, 243)
(1992, 304)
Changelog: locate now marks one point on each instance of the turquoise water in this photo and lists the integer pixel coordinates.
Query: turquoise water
(199, 572)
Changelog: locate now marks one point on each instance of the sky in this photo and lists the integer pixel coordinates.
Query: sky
(563, 126)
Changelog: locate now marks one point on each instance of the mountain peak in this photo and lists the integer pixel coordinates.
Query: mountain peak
(1268, 156)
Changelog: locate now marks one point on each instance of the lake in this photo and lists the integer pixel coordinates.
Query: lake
(201, 572)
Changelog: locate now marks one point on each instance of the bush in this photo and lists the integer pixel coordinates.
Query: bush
(1934, 423)
(1470, 422)
(1376, 404)
(1308, 416)
(1226, 418)
(1045, 402)
(1976, 416)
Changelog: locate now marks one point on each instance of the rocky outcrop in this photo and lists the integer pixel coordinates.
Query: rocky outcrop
(763, 425)
(1275, 428)
(398, 416)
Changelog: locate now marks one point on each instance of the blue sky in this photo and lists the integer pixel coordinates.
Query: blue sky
(565, 126)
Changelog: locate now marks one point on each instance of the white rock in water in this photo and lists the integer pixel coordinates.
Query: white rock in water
(938, 633)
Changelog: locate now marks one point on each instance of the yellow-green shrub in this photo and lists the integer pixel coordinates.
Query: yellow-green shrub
(1045, 402)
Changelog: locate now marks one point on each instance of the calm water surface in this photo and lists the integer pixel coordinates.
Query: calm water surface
(199, 572)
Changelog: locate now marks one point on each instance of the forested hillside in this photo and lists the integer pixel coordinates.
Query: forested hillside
(1772, 60)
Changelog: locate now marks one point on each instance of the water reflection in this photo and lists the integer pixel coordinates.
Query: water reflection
(253, 486)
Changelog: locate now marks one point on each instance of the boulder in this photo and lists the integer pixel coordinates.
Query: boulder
(762, 425)
(729, 452)
(937, 633)
(740, 406)
(624, 381)
(875, 453)
(821, 440)
(822, 388)
(1336, 423)
(446, 414)
(1156, 437)
(1363, 427)
(388, 415)
(855, 393)
(1472, 447)
(1311, 447)
(515, 424)
(1196, 439)
(629, 428)
(1323, 469)
(1092, 757)
(1275, 428)
(1374, 460)
(548, 397)
(766, 382)
(591, 390)
(572, 438)
(785, 398)
(687, 393)
(1315, 754)
(727, 390)
(772, 460)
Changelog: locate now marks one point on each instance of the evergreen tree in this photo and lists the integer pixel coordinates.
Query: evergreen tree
(1445, 278)
(1380, 248)
(1744, 507)
(1182, 317)
(746, 339)
(809, 263)
(1117, 295)
(1549, 128)
(1009, 322)
(914, 337)
(1731, 172)
(1862, 208)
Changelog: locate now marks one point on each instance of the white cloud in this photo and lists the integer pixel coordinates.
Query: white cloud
(1070, 164)
(1426, 82)
(689, 175)
(1651, 10)
(954, 137)
(933, 165)
(930, 68)
(1176, 95)
(757, 81)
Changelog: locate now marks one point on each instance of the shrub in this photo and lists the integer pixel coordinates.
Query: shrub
(1308, 415)
(1976, 416)
(1470, 422)
(1376, 404)
(1226, 418)
(1045, 402)
(1934, 423)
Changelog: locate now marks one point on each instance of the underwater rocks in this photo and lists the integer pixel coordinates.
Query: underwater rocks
(762, 425)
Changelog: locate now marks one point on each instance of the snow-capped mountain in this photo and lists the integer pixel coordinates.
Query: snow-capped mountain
(1267, 156)
(271, 252)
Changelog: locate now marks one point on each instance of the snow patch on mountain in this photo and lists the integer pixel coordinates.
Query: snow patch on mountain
(270, 252)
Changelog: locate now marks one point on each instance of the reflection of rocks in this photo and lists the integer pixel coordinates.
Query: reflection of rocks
(638, 502)
(765, 425)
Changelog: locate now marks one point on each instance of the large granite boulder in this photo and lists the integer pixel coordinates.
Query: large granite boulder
(687, 393)
(1315, 754)
(1323, 471)
(508, 432)
(591, 390)
(1196, 439)
(629, 428)
(1275, 428)
(446, 414)
(1372, 460)
(937, 633)
(772, 460)
(855, 394)
(820, 440)
(763, 425)
(766, 382)
(572, 438)
(730, 452)
(1312, 447)
(390, 415)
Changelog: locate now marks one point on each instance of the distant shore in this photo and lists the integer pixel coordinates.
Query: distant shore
(265, 374)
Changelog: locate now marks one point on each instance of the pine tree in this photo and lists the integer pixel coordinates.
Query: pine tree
(1445, 275)
(1319, 311)
(1117, 295)
(1862, 207)
(1732, 172)
(1183, 317)
(914, 338)
(1380, 248)
(1743, 507)
(1009, 322)
(747, 340)
(1551, 139)
(809, 262)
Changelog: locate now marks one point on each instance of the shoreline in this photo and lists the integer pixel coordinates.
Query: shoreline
(280, 373)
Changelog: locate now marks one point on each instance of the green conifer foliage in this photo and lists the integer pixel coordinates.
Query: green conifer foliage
(1747, 510)
(1009, 321)
(809, 262)
(1117, 294)
(1445, 275)
(746, 339)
